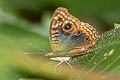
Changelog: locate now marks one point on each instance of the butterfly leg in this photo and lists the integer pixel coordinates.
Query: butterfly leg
(58, 65)
(61, 60)
(68, 64)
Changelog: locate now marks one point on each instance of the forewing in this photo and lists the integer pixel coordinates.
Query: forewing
(67, 32)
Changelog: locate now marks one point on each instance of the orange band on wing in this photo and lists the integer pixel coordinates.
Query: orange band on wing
(87, 33)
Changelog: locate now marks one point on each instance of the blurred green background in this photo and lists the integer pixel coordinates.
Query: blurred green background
(99, 13)
(24, 27)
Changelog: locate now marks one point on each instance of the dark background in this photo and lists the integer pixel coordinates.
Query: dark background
(102, 14)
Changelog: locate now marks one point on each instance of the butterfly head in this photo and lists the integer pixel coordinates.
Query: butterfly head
(68, 32)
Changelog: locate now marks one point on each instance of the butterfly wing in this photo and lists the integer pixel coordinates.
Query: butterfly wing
(68, 33)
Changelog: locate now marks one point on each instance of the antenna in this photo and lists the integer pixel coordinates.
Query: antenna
(37, 47)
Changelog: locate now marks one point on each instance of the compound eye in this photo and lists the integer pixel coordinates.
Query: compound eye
(68, 27)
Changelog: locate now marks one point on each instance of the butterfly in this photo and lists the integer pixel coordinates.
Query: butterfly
(69, 37)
